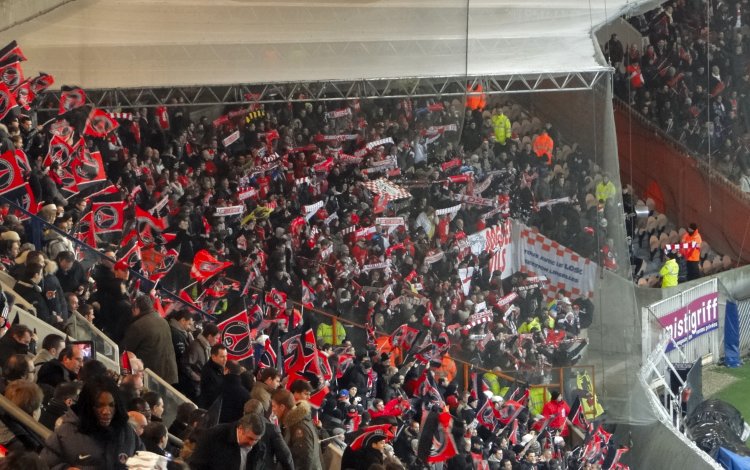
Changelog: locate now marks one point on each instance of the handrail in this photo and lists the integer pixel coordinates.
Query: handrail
(106, 340)
(16, 296)
(28, 421)
(154, 376)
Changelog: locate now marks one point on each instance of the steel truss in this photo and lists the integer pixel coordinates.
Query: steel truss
(333, 90)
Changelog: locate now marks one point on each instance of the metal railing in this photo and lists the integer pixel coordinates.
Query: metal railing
(83, 330)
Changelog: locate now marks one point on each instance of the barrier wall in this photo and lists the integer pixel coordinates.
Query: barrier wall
(691, 193)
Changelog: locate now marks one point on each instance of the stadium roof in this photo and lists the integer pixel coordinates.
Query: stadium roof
(100, 44)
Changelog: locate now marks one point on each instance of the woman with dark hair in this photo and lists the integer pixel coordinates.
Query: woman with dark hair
(95, 433)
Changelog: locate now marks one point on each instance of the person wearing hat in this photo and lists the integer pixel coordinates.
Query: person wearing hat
(691, 251)
(54, 241)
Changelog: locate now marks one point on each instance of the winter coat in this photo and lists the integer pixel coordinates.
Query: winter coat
(53, 373)
(356, 376)
(180, 342)
(276, 448)
(361, 459)
(233, 398)
(33, 295)
(9, 346)
(69, 447)
(262, 393)
(217, 449)
(71, 279)
(149, 338)
(212, 382)
(302, 438)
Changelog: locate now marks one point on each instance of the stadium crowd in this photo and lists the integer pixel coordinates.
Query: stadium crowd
(692, 80)
(262, 218)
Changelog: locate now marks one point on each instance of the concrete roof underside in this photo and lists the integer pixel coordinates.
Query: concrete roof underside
(104, 44)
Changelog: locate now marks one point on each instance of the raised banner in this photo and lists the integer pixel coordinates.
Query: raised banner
(475, 200)
(231, 138)
(231, 210)
(565, 269)
(378, 143)
(696, 318)
(389, 221)
(247, 194)
(338, 113)
(448, 210)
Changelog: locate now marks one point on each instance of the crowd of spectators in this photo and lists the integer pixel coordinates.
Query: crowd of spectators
(692, 80)
(308, 179)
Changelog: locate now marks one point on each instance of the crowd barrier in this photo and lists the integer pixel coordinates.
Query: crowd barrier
(702, 346)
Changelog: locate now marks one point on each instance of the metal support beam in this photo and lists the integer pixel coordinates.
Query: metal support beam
(332, 90)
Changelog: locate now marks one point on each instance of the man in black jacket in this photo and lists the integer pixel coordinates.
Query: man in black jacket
(233, 394)
(15, 341)
(212, 376)
(232, 445)
(181, 324)
(63, 369)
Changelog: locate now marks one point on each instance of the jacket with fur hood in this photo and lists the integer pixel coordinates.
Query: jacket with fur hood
(302, 437)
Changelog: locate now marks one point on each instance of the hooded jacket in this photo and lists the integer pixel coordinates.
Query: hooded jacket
(302, 437)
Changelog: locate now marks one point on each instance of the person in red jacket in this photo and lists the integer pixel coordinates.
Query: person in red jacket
(560, 410)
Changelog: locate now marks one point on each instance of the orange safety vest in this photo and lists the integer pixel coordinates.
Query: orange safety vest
(542, 146)
(690, 253)
(475, 99)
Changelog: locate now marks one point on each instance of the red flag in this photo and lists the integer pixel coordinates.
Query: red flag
(11, 75)
(345, 361)
(205, 266)
(68, 188)
(11, 53)
(87, 167)
(84, 231)
(267, 356)
(22, 160)
(107, 216)
(7, 100)
(24, 95)
(403, 337)
(41, 82)
(71, 99)
(308, 295)
(132, 257)
(318, 397)
(11, 176)
(369, 432)
(59, 151)
(164, 265)
(99, 124)
(276, 298)
(24, 197)
(62, 128)
(487, 416)
(236, 337)
(125, 367)
(145, 216)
